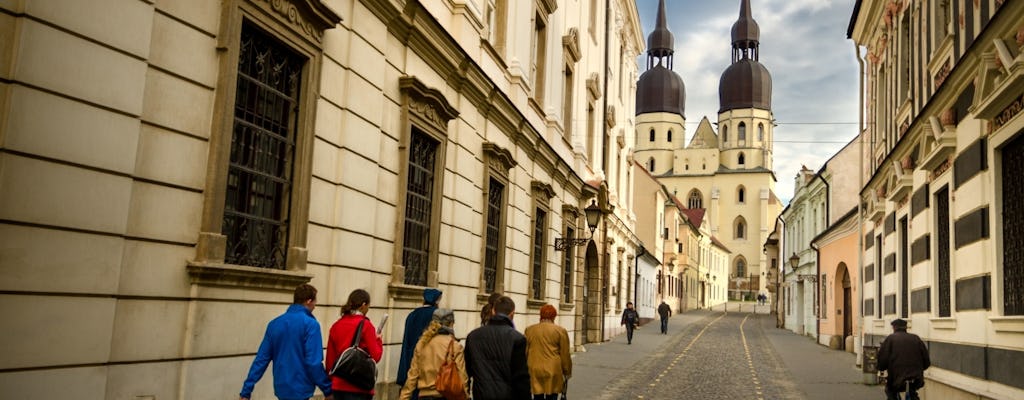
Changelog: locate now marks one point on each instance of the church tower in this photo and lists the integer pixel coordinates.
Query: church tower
(727, 173)
(660, 102)
(745, 120)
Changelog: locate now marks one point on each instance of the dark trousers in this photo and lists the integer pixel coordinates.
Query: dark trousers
(664, 324)
(352, 396)
(629, 333)
(545, 396)
(893, 393)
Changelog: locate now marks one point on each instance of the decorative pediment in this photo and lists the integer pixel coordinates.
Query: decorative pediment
(571, 44)
(309, 17)
(903, 178)
(542, 190)
(1001, 84)
(547, 6)
(594, 86)
(571, 210)
(498, 158)
(944, 136)
(609, 116)
(876, 204)
(427, 102)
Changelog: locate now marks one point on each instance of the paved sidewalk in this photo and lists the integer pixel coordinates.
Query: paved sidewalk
(817, 371)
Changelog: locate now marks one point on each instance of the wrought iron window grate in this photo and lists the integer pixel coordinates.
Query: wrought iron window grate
(942, 252)
(568, 255)
(419, 203)
(262, 151)
(1013, 227)
(536, 280)
(495, 195)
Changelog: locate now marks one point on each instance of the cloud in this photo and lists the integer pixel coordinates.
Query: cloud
(803, 44)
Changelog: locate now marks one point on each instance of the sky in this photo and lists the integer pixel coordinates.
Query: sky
(803, 45)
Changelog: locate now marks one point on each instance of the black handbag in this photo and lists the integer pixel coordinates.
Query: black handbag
(355, 365)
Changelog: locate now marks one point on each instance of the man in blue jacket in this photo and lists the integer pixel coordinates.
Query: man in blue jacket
(294, 344)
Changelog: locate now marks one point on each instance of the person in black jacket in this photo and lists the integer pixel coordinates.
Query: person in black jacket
(496, 357)
(664, 311)
(630, 319)
(905, 357)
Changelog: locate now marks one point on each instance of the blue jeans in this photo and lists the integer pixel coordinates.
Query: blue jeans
(664, 325)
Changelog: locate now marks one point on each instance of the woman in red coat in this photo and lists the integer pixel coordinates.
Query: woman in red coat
(340, 338)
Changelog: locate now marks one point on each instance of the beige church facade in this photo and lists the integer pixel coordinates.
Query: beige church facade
(727, 173)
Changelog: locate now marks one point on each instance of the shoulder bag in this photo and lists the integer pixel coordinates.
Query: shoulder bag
(355, 365)
(449, 381)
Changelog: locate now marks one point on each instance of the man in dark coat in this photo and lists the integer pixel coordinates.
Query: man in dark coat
(664, 311)
(630, 319)
(495, 357)
(415, 323)
(905, 357)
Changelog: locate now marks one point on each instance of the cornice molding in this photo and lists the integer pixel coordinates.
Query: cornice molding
(310, 17)
(426, 101)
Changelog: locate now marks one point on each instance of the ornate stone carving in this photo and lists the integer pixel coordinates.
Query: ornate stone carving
(498, 158)
(427, 102)
(542, 190)
(571, 44)
(310, 17)
(948, 117)
(594, 86)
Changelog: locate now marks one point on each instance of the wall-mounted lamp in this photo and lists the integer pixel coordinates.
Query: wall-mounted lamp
(593, 213)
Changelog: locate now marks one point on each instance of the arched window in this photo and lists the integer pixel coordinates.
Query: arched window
(741, 136)
(725, 133)
(760, 132)
(695, 200)
(652, 135)
(741, 267)
(741, 195)
(741, 160)
(650, 164)
(669, 135)
(740, 228)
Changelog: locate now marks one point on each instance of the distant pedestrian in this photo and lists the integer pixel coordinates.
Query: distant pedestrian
(432, 351)
(487, 311)
(293, 344)
(548, 356)
(664, 311)
(415, 323)
(631, 320)
(496, 357)
(342, 333)
(905, 357)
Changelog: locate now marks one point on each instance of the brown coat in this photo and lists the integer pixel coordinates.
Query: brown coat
(426, 361)
(548, 357)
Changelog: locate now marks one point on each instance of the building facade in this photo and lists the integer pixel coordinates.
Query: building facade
(943, 147)
(805, 217)
(728, 173)
(209, 156)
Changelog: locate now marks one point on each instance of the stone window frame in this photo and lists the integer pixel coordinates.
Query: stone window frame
(428, 111)
(570, 220)
(695, 195)
(650, 164)
(298, 25)
(760, 131)
(570, 56)
(540, 194)
(741, 134)
(498, 161)
(495, 32)
(741, 159)
(740, 228)
(740, 260)
(725, 135)
(540, 29)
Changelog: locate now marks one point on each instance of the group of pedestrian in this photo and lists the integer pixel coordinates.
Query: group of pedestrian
(762, 299)
(496, 363)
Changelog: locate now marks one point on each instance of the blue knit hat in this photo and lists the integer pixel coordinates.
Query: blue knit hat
(431, 295)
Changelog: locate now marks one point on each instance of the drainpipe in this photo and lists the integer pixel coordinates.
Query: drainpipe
(780, 310)
(817, 254)
(860, 207)
(636, 272)
(604, 129)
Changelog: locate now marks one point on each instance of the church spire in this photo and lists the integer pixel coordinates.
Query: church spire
(660, 42)
(745, 35)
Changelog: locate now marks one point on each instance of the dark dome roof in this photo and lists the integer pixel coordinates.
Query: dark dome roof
(660, 43)
(660, 90)
(745, 84)
(745, 31)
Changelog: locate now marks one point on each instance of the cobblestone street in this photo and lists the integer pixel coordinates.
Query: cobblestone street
(716, 355)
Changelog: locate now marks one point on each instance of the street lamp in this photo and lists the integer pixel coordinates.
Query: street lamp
(593, 213)
(794, 261)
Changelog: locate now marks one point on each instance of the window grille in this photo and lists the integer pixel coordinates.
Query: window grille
(568, 253)
(1013, 227)
(418, 208)
(537, 280)
(495, 195)
(256, 208)
(942, 249)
